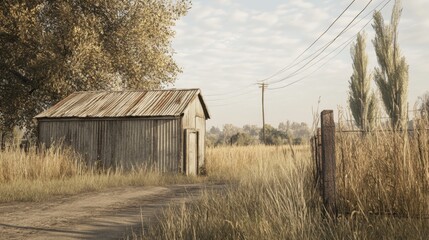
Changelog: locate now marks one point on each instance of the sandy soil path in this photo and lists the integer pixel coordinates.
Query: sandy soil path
(103, 215)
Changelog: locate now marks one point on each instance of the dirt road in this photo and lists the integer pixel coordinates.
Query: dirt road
(103, 215)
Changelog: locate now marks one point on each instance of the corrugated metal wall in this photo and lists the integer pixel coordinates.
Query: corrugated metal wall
(119, 142)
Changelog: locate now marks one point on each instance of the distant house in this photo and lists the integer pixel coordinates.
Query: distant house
(161, 129)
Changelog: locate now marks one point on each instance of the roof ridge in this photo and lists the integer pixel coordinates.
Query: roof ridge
(142, 90)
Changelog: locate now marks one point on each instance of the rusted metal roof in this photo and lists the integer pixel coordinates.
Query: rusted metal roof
(124, 104)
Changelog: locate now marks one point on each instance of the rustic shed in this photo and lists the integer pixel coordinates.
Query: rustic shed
(162, 129)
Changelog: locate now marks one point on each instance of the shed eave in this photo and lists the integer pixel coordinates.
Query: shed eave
(203, 104)
(108, 118)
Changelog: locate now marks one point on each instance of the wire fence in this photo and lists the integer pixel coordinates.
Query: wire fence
(381, 172)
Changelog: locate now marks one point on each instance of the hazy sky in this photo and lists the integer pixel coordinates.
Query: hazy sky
(225, 46)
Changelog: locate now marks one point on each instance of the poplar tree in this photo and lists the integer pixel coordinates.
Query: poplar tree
(362, 102)
(391, 76)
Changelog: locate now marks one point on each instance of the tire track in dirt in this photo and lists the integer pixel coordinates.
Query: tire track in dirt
(102, 215)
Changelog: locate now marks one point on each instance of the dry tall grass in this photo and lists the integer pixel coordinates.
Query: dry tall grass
(271, 195)
(384, 172)
(54, 163)
(266, 197)
(39, 175)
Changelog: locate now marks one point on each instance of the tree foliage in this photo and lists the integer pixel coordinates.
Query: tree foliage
(298, 133)
(243, 139)
(49, 49)
(391, 76)
(274, 136)
(362, 102)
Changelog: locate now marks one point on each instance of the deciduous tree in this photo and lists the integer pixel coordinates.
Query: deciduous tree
(274, 136)
(49, 49)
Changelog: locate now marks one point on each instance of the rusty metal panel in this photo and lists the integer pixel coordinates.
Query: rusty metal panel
(125, 143)
(125, 104)
(81, 135)
(152, 143)
(167, 144)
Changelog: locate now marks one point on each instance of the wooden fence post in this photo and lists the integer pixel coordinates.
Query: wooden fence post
(319, 159)
(328, 162)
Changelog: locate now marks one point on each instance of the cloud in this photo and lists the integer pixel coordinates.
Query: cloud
(226, 46)
(301, 4)
(267, 19)
(207, 12)
(240, 16)
(213, 22)
(241, 51)
(224, 2)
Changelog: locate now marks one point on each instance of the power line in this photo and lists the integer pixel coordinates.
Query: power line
(229, 103)
(231, 92)
(294, 74)
(317, 69)
(319, 52)
(329, 44)
(312, 44)
(343, 45)
(346, 42)
(224, 105)
(237, 95)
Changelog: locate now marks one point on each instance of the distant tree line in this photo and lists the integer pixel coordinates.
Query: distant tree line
(285, 133)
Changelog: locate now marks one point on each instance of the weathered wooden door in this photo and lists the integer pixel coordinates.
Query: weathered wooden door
(191, 152)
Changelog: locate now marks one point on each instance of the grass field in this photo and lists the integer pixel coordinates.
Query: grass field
(382, 182)
(271, 195)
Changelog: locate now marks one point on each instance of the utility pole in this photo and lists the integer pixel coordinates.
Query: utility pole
(263, 86)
